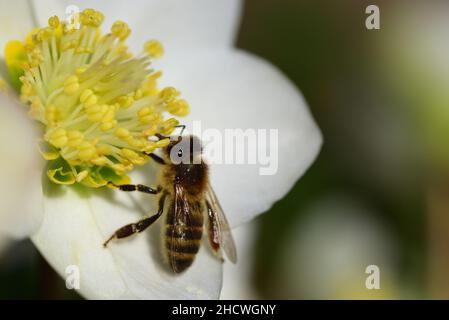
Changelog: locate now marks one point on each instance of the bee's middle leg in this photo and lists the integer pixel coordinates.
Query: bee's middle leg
(139, 226)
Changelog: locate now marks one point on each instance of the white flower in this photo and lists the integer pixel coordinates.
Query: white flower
(20, 170)
(226, 88)
(238, 280)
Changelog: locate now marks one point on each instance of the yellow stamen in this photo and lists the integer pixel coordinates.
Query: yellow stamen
(58, 138)
(71, 85)
(53, 22)
(154, 49)
(98, 104)
(121, 30)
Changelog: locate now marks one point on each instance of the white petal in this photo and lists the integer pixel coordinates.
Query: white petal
(178, 24)
(233, 89)
(20, 170)
(16, 18)
(76, 225)
(238, 278)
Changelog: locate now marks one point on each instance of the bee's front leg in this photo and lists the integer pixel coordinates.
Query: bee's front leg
(135, 187)
(139, 226)
(156, 158)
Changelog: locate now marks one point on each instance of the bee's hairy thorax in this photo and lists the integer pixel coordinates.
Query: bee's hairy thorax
(192, 177)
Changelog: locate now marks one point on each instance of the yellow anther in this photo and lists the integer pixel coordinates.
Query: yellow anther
(139, 161)
(59, 114)
(151, 131)
(105, 126)
(136, 143)
(50, 115)
(178, 108)
(155, 75)
(125, 101)
(27, 89)
(44, 34)
(91, 18)
(168, 126)
(109, 116)
(154, 49)
(104, 149)
(122, 51)
(121, 30)
(53, 22)
(162, 143)
(148, 115)
(72, 44)
(149, 147)
(150, 118)
(132, 156)
(71, 84)
(100, 161)
(88, 98)
(86, 151)
(58, 138)
(149, 87)
(129, 154)
(168, 94)
(120, 169)
(122, 133)
(75, 138)
(144, 111)
(30, 37)
(96, 112)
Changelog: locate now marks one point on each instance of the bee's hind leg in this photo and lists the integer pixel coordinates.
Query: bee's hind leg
(139, 226)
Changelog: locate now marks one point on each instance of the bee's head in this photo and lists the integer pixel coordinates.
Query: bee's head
(185, 149)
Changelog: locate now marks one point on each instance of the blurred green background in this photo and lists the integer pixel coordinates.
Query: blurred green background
(379, 190)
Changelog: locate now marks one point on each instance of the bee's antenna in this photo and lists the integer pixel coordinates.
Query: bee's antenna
(161, 137)
(183, 126)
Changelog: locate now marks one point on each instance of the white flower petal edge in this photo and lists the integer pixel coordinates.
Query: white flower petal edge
(230, 89)
(178, 24)
(20, 172)
(238, 278)
(76, 225)
(16, 19)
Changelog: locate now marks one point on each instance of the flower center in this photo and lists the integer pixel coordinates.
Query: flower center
(99, 105)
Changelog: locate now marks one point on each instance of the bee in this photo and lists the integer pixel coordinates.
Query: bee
(191, 204)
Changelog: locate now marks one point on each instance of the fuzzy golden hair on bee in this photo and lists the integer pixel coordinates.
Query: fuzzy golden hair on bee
(189, 204)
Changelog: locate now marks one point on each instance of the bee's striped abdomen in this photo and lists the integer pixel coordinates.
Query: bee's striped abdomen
(183, 234)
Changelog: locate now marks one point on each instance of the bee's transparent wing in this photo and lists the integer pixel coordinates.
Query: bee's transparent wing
(224, 231)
